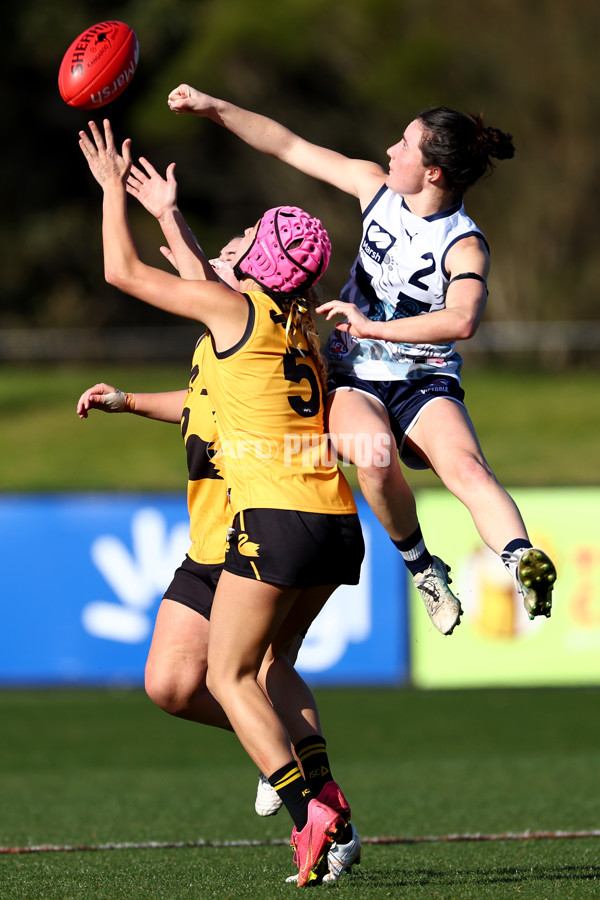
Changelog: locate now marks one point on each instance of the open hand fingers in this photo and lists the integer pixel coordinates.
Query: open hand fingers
(88, 148)
(126, 152)
(150, 170)
(135, 180)
(329, 310)
(109, 139)
(335, 308)
(102, 156)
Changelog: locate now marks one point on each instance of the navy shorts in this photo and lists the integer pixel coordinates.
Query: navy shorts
(404, 402)
(194, 585)
(295, 549)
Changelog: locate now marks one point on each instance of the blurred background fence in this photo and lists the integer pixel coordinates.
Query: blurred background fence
(558, 344)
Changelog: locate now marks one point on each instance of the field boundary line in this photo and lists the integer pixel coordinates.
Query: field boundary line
(219, 845)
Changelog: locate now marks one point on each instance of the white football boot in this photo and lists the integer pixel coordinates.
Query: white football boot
(268, 802)
(342, 857)
(443, 607)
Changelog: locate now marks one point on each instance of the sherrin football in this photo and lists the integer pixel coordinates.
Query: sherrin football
(98, 65)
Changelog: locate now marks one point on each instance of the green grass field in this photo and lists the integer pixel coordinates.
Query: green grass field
(535, 428)
(94, 767)
(88, 768)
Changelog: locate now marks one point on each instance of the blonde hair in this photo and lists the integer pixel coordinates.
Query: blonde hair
(299, 313)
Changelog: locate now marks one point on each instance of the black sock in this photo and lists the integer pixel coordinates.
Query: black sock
(312, 753)
(346, 836)
(415, 554)
(294, 792)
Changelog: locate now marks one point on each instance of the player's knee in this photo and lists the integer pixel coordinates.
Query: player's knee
(469, 473)
(377, 477)
(159, 690)
(169, 693)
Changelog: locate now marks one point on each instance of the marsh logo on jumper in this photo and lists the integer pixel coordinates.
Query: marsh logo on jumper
(136, 576)
(377, 242)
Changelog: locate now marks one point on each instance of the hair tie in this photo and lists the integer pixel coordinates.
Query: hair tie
(301, 309)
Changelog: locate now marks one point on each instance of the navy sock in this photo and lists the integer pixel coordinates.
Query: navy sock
(511, 548)
(415, 554)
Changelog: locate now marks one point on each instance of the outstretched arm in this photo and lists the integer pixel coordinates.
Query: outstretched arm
(357, 177)
(159, 196)
(165, 406)
(224, 311)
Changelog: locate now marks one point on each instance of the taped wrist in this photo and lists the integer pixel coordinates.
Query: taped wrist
(118, 401)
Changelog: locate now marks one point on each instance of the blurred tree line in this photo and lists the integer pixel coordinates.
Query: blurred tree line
(349, 74)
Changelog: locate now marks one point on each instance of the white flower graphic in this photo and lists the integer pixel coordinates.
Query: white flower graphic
(136, 577)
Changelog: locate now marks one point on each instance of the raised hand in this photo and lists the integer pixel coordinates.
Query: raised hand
(186, 99)
(156, 194)
(104, 160)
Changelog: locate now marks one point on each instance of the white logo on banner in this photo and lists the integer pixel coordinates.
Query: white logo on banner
(136, 577)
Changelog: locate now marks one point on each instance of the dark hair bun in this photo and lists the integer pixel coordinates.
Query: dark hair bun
(497, 143)
(462, 146)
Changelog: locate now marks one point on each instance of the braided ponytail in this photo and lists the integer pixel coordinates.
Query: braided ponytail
(299, 313)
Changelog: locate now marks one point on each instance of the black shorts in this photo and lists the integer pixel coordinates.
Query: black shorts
(404, 402)
(295, 549)
(194, 585)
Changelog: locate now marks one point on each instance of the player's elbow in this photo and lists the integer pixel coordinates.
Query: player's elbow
(111, 276)
(467, 330)
(117, 276)
(466, 327)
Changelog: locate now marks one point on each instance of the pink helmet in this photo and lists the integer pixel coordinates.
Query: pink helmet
(274, 263)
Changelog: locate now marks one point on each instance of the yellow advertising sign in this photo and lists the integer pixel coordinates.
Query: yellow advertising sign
(496, 644)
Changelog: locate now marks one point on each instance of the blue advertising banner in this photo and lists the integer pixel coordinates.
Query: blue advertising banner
(82, 577)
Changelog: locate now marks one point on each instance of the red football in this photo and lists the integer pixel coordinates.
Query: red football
(98, 65)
